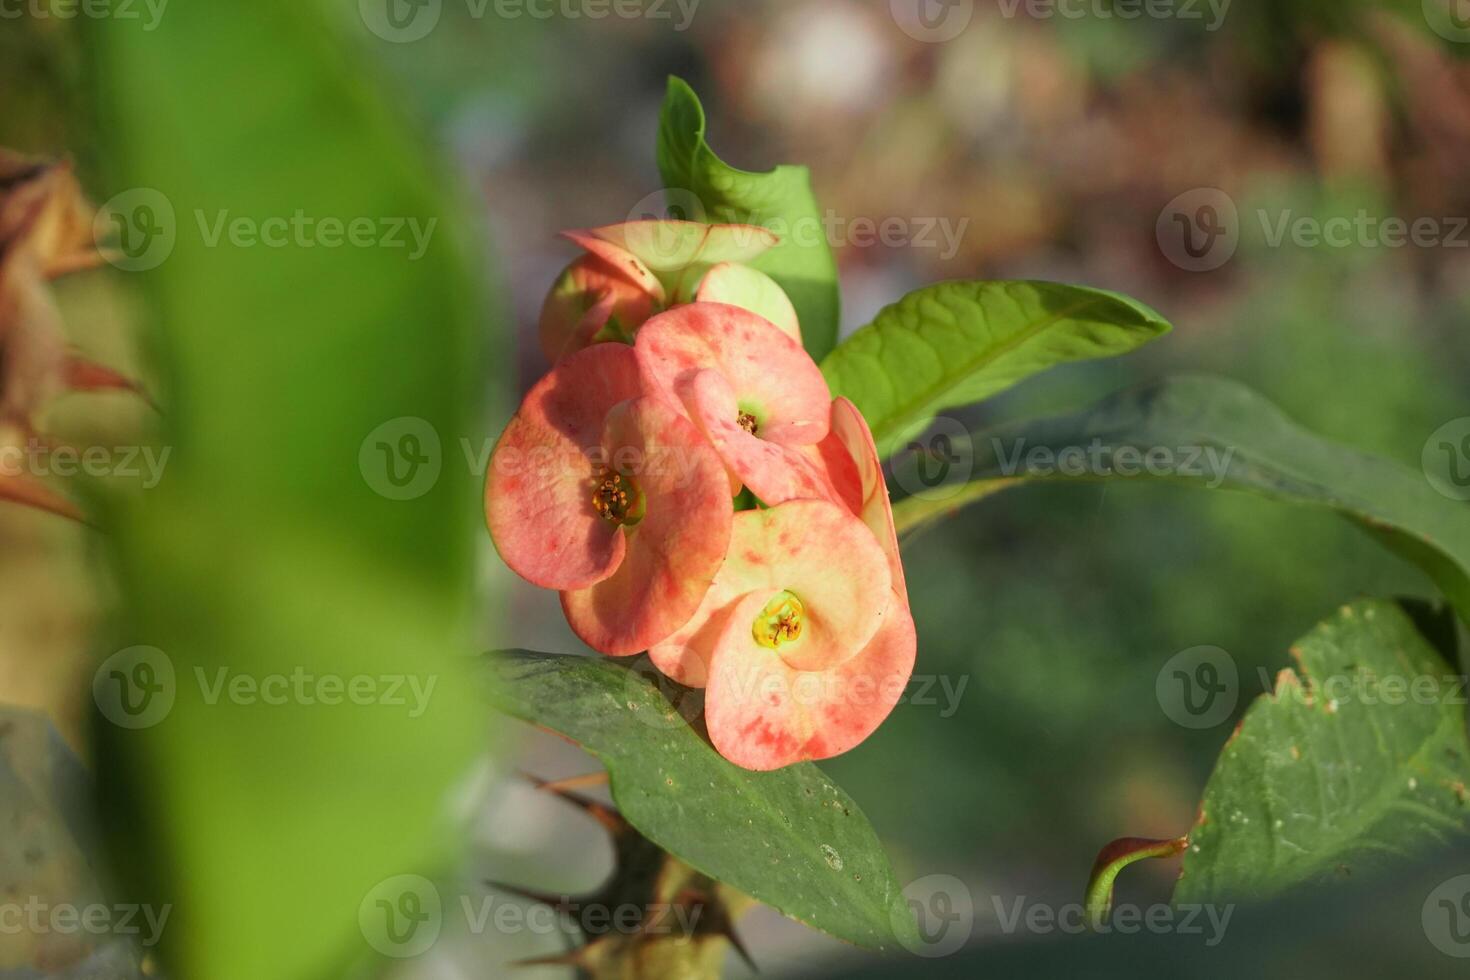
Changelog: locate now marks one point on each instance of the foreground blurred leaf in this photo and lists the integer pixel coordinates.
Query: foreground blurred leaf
(788, 838)
(955, 343)
(780, 199)
(299, 531)
(1358, 759)
(1212, 433)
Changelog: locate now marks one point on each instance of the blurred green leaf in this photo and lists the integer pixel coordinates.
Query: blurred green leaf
(788, 838)
(780, 199)
(1358, 759)
(316, 519)
(1212, 433)
(954, 343)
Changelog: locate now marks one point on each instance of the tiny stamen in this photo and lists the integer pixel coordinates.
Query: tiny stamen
(614, 497)
(780, 621)
(748, 422)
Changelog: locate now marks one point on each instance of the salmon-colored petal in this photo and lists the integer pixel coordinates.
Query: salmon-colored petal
(750, 289)
(667, 246)
(675, 548)
(818, 553)
(763, 714)
(773, 379)
(538, 493)
(594, 293)
(850, 430)
(774, 472)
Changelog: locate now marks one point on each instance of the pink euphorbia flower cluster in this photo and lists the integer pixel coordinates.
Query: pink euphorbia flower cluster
(622, 483)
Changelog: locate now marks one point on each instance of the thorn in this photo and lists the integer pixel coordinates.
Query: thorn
(85, 375)
(598, 778)
(572, 958)
(28, 492)
(601, 812)
(720, 922)
(739, 946)
(559, 902)
(80, 262)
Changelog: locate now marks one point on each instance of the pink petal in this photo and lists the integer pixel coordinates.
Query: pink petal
(590, 292)
(763, 714)
(538, 493)
(774, 472)
(851, 431)
(814, 549)
(770, 374)
(675, 550)
(666, 246)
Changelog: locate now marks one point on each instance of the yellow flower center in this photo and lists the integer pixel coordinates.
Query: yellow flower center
(748, 422)
(780, 622)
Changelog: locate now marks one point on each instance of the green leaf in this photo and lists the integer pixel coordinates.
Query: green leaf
(1345, 767)
(955, 343)
(779, 199)
(277, 546)
(788, 838)
(1216, 434)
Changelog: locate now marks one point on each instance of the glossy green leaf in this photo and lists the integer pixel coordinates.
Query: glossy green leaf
(1358, 759)
(1212, 433)
(314, 521)
(779, 199)
(955, 343)
(789, 838)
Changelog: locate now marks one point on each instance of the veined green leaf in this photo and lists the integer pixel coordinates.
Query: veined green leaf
(1358, 758)
(1212, 433)
(955, 343)
(790, 838)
